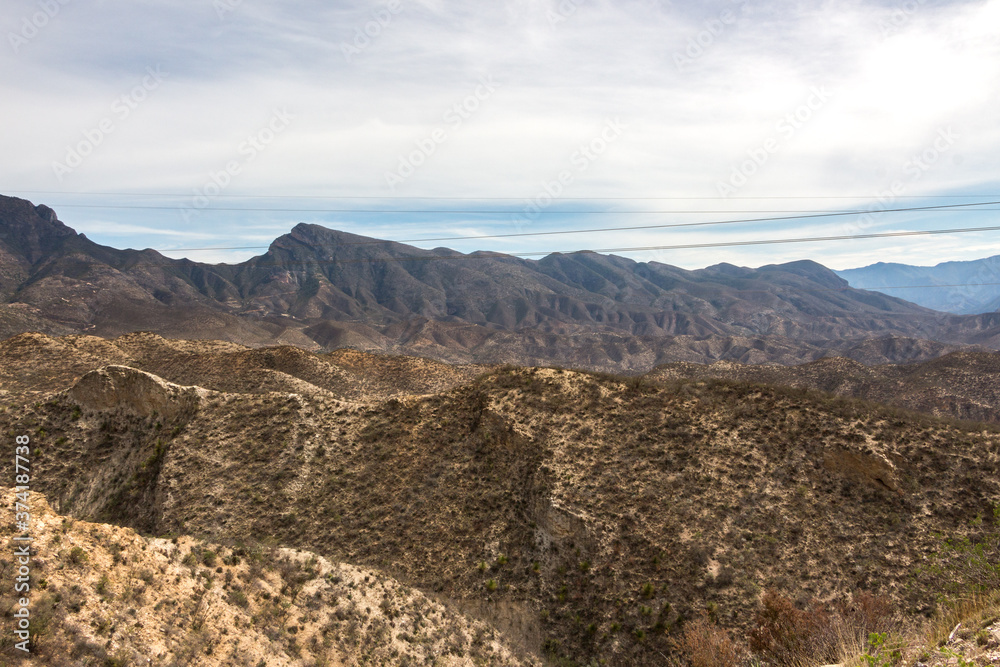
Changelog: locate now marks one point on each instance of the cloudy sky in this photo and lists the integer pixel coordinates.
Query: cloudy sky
(206, 128)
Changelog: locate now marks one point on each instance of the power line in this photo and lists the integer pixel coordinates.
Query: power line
(729, 244)
(953, 207)
(684, 246)
(879, 288)
(446, 198)
(479, 211)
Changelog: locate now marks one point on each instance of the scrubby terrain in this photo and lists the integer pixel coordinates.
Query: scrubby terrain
(105, 595)
(583, 517)
(963, 384)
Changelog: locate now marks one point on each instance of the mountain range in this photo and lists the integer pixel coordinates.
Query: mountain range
(965, 288)
(320, 289)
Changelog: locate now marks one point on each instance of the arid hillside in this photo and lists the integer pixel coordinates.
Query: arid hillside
(36, 363)
(105, 595)
(584, 517)
(963, 385)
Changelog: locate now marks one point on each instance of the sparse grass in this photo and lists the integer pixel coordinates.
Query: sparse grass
(966, 612)
(630, 483)
(704, 644)
(785, 635)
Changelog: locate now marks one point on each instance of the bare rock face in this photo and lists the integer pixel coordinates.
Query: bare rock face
(864, 466)
(135, 390)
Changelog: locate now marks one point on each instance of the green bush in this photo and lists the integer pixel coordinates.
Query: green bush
(880, 653)
(239, 599)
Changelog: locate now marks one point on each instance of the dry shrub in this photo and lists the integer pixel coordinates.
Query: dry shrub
(867, 613)
(705, 644)
(787, 636)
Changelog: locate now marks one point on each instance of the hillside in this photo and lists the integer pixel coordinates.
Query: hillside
(959, 385)
(36, 363)
(582, 516)
(962, 385)
(321, 289)
(105, 595)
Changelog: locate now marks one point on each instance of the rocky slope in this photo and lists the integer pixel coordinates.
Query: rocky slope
(584, 517)
(105, 595)
(963, 385)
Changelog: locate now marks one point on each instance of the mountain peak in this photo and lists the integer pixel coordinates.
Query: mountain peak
(31, 231)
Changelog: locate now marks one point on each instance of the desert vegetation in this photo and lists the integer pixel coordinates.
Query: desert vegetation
(578, 518)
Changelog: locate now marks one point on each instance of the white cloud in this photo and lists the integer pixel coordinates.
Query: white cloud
(109, 228)
(556, 85)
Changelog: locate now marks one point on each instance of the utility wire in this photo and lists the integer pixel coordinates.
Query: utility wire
(873, 288)
(683, 246)
(729, 244)
(452, 211)
(953, 207)
(427, 198)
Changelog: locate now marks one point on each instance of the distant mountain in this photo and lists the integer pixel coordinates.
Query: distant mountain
(965, 288)
(321, 289)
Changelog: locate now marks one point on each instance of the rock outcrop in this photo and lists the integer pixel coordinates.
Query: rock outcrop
(140, 392)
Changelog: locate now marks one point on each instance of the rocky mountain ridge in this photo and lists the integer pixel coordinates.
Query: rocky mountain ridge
(322, 289)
